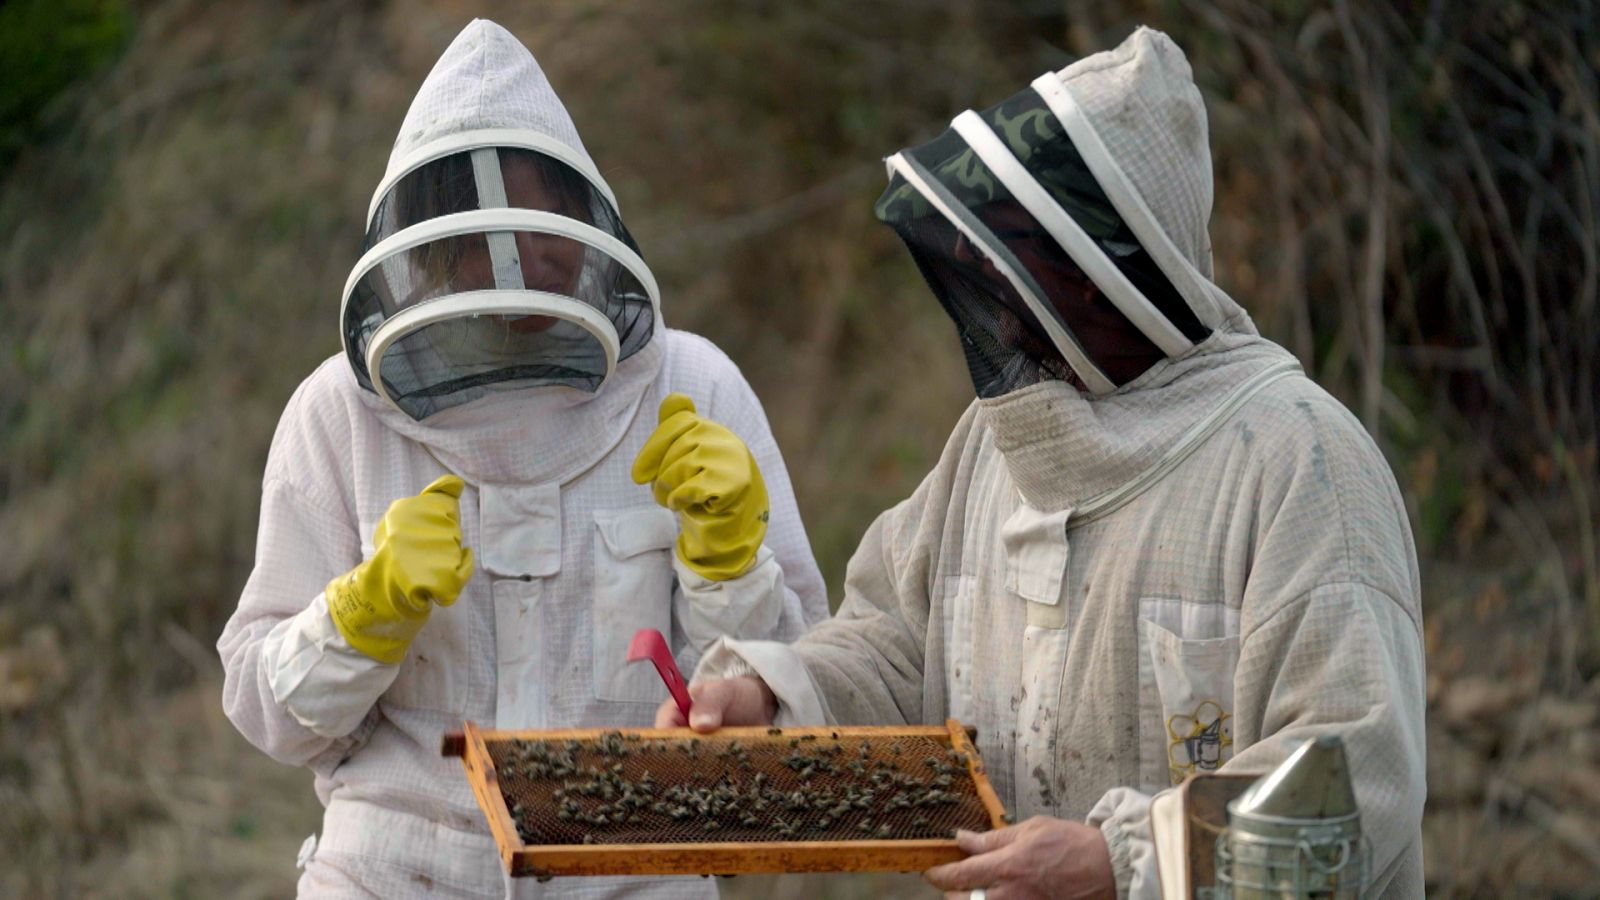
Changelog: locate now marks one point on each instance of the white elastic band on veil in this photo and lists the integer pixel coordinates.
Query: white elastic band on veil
(503, 258)
(1128, 299)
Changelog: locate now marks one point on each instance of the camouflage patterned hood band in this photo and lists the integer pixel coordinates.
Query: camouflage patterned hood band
(1032, 133)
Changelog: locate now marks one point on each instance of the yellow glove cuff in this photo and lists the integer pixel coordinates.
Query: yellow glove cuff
(369, 631)
(417, 561)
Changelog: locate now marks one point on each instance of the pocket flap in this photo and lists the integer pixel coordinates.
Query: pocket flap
(520, 529)
(629, 532)
(1036, 553)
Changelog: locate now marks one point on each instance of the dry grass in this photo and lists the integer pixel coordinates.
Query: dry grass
(1407, 198)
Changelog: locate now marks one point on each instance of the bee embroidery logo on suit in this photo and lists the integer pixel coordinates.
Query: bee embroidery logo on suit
(1200, 742)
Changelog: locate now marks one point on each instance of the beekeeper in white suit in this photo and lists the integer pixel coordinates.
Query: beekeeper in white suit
(453, 524)
(1152, 546)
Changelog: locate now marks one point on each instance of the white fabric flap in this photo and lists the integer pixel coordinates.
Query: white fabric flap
(1036, 553)
(317, 677)
(630, 532)
(799, 702)
(521, 530)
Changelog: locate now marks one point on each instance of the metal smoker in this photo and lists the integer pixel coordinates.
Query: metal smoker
(1296, 833)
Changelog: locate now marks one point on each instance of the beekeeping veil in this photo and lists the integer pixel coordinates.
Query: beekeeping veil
(1064, 231)
(495, 258)
(501, 315)
(1070, 213)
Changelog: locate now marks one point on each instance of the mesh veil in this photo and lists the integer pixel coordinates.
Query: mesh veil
(509, 237)
(1006, 345)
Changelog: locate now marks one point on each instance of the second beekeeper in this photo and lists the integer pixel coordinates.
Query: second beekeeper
(1152, 547)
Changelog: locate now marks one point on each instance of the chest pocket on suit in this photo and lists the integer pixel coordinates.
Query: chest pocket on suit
(1187, 655)
(633, 584)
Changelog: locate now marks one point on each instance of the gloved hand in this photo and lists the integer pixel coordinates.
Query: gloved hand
(417, 561)
(703, 472)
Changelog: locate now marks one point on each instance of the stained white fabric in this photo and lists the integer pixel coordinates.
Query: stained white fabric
(1269, 579)
(800, 700)
(1123, 817)
(572, 557)
(324, 683)
(708, 609)
(1114, 605)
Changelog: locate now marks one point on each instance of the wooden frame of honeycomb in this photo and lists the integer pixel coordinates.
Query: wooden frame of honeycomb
(738, 800)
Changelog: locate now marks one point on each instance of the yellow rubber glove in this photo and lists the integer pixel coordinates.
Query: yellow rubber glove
(703, 472)
(417, 561)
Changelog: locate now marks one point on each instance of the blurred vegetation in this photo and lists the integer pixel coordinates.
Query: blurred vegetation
(1407, 198)
(47, 46)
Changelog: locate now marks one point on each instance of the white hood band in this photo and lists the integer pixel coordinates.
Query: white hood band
(1195, 288)
(994, 154)
(952, 210)
(490, 137)
(507, 219)
(488, 303)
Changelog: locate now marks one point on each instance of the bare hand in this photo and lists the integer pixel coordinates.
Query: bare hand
(745, 700)
(1042, 857)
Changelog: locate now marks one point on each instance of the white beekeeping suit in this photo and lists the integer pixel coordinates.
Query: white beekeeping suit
(516, 343)
(1152, 547)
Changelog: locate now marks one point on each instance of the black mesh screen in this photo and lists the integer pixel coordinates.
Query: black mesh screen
(1121, 350)
(1005, 347)
(532, 181)
(455, 361)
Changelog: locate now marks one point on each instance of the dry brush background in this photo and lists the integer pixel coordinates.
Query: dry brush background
(1408, 198)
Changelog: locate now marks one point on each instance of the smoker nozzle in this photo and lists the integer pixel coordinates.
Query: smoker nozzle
(1312, 783)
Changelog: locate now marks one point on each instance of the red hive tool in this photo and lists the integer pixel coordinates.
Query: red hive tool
(648, 644)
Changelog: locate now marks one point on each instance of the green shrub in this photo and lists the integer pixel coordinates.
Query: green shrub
(47, 46)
